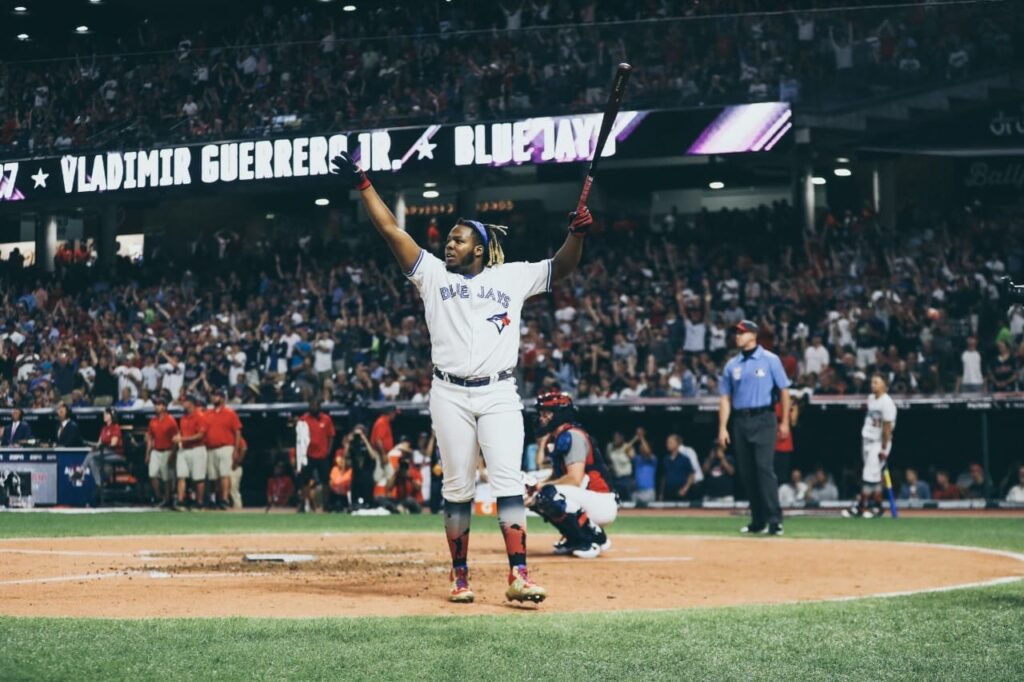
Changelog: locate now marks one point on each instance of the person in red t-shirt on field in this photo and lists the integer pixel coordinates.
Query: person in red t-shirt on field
(317, 471)
(159, 449)
(382, 438)
(223, 436)
(190, 460)
(784, 445)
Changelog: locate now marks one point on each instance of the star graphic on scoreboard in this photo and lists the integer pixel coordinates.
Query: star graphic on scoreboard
(39, 178)
(425, 150)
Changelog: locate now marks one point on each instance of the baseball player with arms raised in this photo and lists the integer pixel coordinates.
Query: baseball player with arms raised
(876, 435)
(577, 499)
(472, 301)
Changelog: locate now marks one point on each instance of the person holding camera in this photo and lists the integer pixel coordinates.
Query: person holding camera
(364, 461)
(405, 486)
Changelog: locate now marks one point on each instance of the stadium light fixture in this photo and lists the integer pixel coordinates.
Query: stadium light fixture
(429, 185)
(322, 202)
(82, 29)
(717, 184)
(818, 180)
(843, 172)
(431, 194)
(842, 159)
(22, 37)
(20, 9)
(95, 2)
(270, 216)
(348, 8)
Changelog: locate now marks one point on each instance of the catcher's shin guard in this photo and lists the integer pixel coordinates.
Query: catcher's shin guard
(568, 517)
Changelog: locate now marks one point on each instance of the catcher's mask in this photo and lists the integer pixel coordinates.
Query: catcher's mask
(554, 408)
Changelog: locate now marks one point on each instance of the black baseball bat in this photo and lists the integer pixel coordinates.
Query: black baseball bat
(611, 110)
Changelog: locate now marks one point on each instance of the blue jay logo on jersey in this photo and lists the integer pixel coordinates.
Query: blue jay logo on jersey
(500, 321)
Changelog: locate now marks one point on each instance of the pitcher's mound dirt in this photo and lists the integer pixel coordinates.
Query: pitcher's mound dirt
(407, 574)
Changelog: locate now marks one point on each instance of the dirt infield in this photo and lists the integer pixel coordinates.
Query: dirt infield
(406, 574)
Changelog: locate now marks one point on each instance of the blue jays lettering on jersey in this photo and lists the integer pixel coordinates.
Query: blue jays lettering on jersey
(749, 380)
(451, 292)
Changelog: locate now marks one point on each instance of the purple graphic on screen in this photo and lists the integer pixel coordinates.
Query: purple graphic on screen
(8, 191)
(745, 128)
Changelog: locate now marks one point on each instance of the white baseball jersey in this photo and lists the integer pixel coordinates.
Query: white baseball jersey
(881, 409)
(474, 321)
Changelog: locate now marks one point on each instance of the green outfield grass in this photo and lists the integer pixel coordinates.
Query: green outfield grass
(965, 634)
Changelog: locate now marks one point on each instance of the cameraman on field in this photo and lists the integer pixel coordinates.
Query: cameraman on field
(364, 460)
(405, 486)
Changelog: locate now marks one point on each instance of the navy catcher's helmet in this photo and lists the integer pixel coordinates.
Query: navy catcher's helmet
(560, 405)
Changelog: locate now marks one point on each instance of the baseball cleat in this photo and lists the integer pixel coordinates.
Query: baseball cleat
(751, 529)
(591, 551)
(521, 588)
(603, 540)
(775, 529)
(460, 592)
(562, 548)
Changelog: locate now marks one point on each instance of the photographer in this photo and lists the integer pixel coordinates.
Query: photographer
(364, 461)
(405, 486)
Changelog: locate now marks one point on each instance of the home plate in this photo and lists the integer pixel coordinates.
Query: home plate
(281, 558)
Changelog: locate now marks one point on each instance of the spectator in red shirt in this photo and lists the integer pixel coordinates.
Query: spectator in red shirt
(382, 438)
(111, 438)
(159, 449)
(280, 487)
(223, 436)
(943, 489)
(109, 449)
(317, 472)
(789, 362)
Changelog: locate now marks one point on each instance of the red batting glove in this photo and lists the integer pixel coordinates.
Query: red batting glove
(580, 222)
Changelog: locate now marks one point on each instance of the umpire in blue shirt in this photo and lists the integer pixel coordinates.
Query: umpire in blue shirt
(748, 384)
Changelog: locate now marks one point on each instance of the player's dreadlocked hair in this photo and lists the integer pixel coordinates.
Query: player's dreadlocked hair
(495, 233)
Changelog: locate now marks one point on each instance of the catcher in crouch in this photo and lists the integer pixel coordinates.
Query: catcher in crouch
(577, 499)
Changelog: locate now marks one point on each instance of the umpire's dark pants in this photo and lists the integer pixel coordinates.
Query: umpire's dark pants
(753, 437)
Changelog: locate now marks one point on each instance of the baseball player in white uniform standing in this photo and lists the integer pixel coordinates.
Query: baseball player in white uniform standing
(472, 302)
(876, 436)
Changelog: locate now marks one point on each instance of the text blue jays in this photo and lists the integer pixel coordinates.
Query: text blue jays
(453, 291)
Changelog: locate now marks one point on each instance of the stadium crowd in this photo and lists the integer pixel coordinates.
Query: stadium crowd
(277, 319)
(288, 67)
